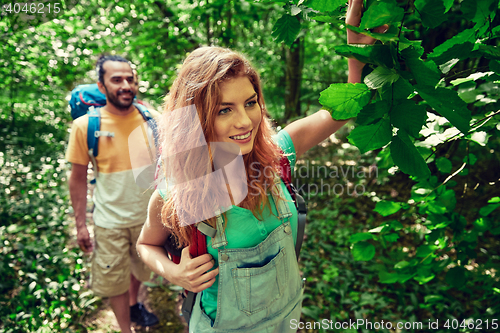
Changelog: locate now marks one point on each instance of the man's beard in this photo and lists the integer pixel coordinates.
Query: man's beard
(113, 99)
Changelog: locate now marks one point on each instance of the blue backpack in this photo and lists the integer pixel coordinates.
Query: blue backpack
(87, 99)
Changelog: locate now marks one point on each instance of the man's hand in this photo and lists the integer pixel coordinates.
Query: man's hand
(83, 239)
(192, 274)
(353, 17)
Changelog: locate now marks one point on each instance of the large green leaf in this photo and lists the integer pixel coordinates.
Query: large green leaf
(363, 251)
(390, 35)
(324, 5)
(406, 156)
(377, 54)
(372, 136)
(386, 208)
(345, 100)
(467, 36)
(380, 13)
(380, 77)
(286, 29)
(431, 12)
(409, 116)
(425, 72)
(447, 103)
(372, 112)
(479, 11)
(400, 89)
(386, 277)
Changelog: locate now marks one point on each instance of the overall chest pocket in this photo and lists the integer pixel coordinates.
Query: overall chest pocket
(257, 288)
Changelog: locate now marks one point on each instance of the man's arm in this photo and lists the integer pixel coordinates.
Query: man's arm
(78, 193)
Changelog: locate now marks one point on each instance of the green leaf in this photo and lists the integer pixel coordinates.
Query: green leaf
(482, 224)
(444, 165)
(372, 112)
(456, 277)
(433, 298)
(467, 36)
(494, 200)
(423, 279)
(407, 157)
(431, 12)
(380, 13)
(448, 104)
(324, 5)
(495, 66)
(486, 210)
(401, 264)
(409, 116)
(425, 250)
(391, 238)
(386, 277)
(470, 158)
(425, 73)
(400, 89)
(472, 77)
(390, 35)
(386, 208)
(363, 251)
(372, 136)
(345, 100)
(362, 236)
(448, 4)
(381, 76)
(377, 54)
(479, 11)
(286, 29)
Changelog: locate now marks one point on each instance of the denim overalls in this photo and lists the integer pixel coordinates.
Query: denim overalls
(260, 288)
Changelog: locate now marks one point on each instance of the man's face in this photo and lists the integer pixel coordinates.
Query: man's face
(119, 84)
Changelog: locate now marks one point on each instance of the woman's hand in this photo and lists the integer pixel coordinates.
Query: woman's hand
(192, 273)
(353, 17)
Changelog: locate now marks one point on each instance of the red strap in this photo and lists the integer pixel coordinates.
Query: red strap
(199, 243)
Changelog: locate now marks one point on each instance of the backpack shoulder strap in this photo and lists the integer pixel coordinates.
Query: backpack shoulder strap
(300, 203)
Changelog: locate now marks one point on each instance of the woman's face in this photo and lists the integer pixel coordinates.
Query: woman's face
(239, 114)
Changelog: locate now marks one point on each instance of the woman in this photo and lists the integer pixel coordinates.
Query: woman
(249, 279)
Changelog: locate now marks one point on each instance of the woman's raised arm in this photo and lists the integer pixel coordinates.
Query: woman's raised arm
(310, 131)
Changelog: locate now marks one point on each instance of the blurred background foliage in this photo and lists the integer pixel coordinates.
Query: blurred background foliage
(385, 241)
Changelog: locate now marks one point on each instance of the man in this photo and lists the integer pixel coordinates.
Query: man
(120, 205)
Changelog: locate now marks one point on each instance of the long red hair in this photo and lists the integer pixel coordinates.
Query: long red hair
(198, 85)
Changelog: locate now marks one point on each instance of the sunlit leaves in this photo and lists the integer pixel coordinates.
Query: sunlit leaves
(386, 208)
(372, 136)
(286, 29)
(380, 77)
(377, 54)
(449, 105)
(407, 157)
(363, 251)
(380, 13)
(325, 5)
(345, 100)
(457, 47)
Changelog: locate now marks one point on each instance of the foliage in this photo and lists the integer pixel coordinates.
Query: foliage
(428, 106)
(407, 228)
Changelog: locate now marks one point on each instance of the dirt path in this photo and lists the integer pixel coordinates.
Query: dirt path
(160, 299)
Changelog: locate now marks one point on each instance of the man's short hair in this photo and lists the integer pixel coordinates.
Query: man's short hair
(100, 63)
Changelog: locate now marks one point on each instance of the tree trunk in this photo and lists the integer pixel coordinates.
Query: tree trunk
(294, 58)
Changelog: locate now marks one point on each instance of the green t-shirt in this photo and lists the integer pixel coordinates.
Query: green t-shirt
(244, 230)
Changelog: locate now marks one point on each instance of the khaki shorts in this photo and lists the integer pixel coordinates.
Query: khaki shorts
(115, 257)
